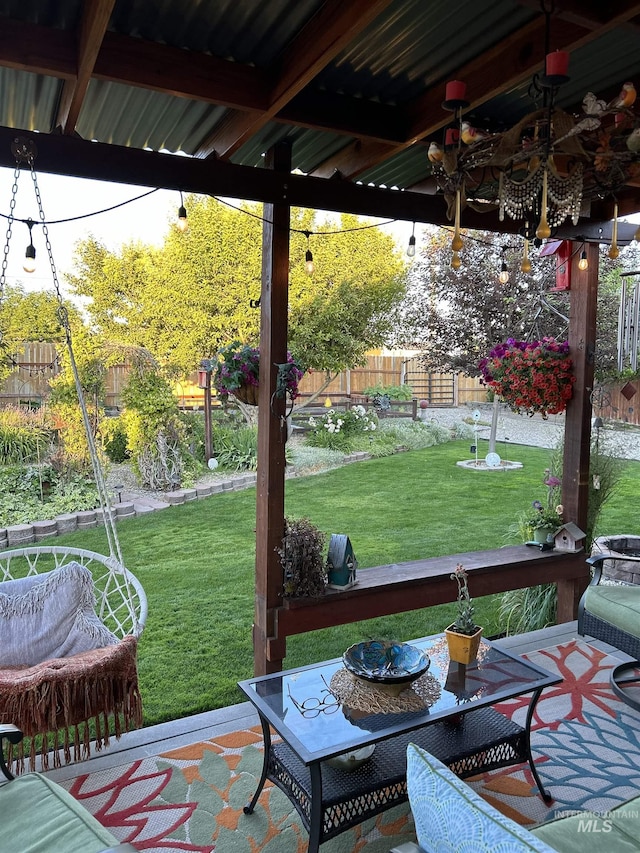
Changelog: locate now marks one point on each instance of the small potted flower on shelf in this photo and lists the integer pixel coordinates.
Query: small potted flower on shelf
(541, 522)
(463, 636)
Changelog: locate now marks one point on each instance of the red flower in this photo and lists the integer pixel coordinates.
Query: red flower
(530, 376)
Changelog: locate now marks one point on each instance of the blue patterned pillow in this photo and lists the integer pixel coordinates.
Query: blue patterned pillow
(451, 818)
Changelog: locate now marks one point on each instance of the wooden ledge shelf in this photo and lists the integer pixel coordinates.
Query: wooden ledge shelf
(400, 587)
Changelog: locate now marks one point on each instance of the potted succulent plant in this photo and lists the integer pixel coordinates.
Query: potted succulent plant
(302, 559)
(463, 635)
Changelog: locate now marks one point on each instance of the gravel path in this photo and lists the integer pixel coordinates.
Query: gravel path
(536, 432)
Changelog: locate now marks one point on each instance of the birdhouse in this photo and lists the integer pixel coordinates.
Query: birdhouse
(341, 562)
(569, 537)
(562, 250)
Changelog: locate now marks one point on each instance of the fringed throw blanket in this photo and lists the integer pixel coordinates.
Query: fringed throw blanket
(57, 696)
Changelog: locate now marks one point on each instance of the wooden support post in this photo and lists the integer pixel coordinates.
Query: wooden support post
(208, 438)
(272, 427)
(577, 431)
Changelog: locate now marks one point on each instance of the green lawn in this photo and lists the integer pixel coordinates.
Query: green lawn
(196, 561)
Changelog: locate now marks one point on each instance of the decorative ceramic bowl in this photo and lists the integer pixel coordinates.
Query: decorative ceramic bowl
(352, 760)
(386, 662)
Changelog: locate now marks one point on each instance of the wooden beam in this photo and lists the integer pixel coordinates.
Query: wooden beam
(71, 156)
(327, 33)
(401, 587)
(95, 20)
(582, 346)
(272, 425)
(37, 49)
(522, 53)
(186, 74)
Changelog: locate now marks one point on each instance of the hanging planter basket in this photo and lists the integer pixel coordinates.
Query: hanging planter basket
(530, 376)
(247, 394)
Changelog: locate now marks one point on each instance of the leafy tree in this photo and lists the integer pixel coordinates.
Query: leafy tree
(186, 299)
(456, 317)
(29, 316)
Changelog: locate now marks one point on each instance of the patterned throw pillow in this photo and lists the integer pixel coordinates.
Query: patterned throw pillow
(49, 616)
(451, 818)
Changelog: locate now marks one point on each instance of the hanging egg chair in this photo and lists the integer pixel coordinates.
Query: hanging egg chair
(70, 618)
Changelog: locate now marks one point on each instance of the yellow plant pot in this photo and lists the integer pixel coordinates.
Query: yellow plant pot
(463, 648)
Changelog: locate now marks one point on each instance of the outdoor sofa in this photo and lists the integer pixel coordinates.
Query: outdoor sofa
(39, 816)
(611, 612)
(451, 818)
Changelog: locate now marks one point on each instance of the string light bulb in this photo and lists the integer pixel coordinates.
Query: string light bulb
(636, 236)
(411, 248)
(503, 278)
(455, 261)
(182, 215)
(583, 263)
(29, 264)
(309, 265)
(525, 265)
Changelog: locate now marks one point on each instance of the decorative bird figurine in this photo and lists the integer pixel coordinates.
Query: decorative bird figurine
(593, 106)
(626, 98)
(435, 153)
(633, 140)
(470, 134)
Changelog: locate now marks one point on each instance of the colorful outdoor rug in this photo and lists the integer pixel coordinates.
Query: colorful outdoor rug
(586, 742)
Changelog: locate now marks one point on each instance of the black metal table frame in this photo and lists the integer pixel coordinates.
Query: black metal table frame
(331, 801)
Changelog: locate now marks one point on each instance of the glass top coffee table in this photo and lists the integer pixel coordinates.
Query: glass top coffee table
(321, 712)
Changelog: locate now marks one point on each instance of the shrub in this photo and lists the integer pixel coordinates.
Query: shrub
(155, 433)
(114, 439)
(37, 492)
(393, 392)
(24, 436)
(415, 435)
(337, 430)
(236, 449)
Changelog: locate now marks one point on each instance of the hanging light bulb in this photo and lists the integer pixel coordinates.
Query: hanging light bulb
(525, 265)
(614, 251)
(29, 264)
(455, 261)
(456, 243)
(583, 263)
(182, 216)
(309, 265)
(411, 248)
(636, 236)
(503, 278)
(543, 232)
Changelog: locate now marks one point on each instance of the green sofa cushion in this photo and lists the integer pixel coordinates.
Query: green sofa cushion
(39, 816)
(617, 605)
(589, 832)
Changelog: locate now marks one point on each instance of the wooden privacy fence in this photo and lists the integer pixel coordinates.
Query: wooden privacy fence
(38, 362)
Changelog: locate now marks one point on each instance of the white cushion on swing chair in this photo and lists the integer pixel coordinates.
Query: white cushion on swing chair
(51, 615)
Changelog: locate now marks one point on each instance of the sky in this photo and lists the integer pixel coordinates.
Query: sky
(63, 198)
(145, 219)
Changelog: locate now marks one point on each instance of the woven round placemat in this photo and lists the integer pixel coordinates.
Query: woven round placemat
(366, 696)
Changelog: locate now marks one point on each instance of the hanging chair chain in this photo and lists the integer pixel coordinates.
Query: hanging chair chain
(27, 154)
(12, 207)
